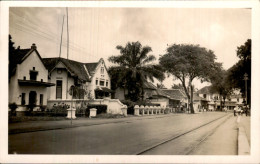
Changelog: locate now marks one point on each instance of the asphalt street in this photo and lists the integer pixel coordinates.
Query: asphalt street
(131, 136)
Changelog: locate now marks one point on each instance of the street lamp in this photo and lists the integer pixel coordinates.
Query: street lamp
(246, 78)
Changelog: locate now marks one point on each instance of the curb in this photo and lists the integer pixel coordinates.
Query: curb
(243, 145)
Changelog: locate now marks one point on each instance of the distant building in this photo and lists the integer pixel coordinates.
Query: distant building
(214, 99)
(28, 81)
(163, 97)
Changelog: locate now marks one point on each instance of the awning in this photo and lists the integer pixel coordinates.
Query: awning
(34, 83)
(104, 89)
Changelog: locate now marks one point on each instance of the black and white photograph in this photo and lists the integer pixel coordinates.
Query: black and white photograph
(130, 82)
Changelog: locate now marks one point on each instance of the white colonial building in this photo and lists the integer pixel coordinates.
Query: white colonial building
(28, 79)
(92, 77)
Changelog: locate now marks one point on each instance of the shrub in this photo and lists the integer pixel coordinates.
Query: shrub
(80, 111)
(43, 107)
(13, 107)
(59, 110)
(130, 106)
(30, 108)
(100, 108)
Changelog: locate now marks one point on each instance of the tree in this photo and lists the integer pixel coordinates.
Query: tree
(236, 72)
(187, 62)
(12, 57)
(134, 68)
(220, 84)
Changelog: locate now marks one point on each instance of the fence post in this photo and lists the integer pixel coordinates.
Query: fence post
(136, 110)
(92, 112)
(71, 113)
(142, 109)
(124, 110)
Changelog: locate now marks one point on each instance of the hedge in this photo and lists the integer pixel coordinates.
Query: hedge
(100, 108)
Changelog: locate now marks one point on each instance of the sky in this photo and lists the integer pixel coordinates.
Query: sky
(94, 33)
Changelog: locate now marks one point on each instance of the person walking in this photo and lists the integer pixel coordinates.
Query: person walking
(235, 110)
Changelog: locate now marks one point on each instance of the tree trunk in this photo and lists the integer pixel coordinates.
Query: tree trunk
(191, 100)
(221, 104)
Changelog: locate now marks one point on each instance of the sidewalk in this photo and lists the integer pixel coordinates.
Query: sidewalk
(32, 126)
(231, 138)
(244, 135)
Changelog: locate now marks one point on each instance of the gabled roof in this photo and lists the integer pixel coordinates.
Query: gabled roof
(159, 93)
(204, 90)
(91, 67)
(175, 94)
(18, 56)
(148, 85)
(75, 68)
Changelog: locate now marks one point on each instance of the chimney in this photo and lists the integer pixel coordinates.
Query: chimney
(33, 46)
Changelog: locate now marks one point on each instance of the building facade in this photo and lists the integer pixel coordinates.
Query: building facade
(28, 81)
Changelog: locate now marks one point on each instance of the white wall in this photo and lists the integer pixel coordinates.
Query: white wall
(60, 76)
(100, 76)
(164, 102)
(23, 69)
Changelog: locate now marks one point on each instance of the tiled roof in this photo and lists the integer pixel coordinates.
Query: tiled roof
(148, 85)
(236, 96)
(76, 68)
(175, 94)
(16, 58)
(91, 67)
(160, 93)
(204, 90)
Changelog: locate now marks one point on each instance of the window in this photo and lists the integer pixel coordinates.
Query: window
(102, 70)
(102, 83)
(24, 77)
(204, 95)
(107, 83)
(237, 99)
(59, 71)
(41, 99)
(33, 75)
(96, 81)
(34, 68)
(23, 99)
(58, 89)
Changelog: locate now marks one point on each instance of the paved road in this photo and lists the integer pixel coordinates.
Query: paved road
(125, 137)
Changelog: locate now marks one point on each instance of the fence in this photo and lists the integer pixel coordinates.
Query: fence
(151, 110)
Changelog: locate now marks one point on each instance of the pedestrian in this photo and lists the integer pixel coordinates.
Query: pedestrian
(225, 109)
(235, 109)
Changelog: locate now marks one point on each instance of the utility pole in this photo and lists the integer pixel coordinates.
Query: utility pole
(246, 78)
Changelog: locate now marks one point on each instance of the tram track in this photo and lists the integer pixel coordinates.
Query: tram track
(175, 137)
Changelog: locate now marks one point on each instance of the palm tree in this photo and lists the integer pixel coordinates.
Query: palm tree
(134, 68)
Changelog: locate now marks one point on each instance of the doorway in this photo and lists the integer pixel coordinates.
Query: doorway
(32, 97)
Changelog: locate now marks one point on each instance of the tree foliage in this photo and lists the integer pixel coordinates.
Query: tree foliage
(133, 69)
(220, 85)
(187, 62)
(236, 72)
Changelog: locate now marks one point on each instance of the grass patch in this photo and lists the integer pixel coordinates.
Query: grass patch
(109, 115)
(14, 119)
